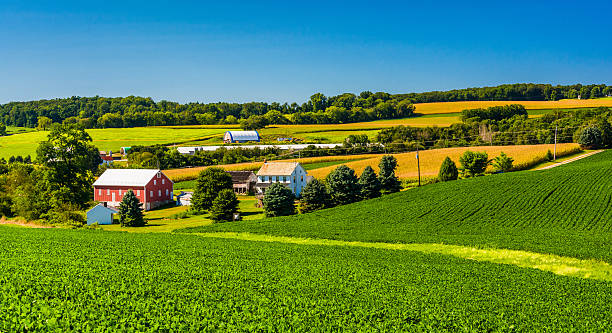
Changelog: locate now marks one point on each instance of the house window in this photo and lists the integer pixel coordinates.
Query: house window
(154, 182)
(284, 178)
(151, 194)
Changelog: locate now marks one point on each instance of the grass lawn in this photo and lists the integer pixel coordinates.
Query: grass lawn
(160, 220)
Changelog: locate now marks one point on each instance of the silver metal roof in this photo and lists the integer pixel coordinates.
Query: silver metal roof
(126, 177)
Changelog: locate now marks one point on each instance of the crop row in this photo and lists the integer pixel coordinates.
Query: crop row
(68, 280)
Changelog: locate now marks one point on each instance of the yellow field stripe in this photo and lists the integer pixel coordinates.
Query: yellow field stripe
(567, 266)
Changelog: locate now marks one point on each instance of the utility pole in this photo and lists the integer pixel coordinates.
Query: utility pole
(418, 164)
(555, 153)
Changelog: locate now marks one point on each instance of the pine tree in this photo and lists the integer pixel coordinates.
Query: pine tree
(389, 183)
(343, 186)
(370, 185)
(278, 201)
(503, 162)
(130, 211)
(314, 197)
(448, 170)
(224, 206)
(210, 183)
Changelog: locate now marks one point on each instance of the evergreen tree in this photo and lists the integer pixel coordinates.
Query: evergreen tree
(370, 185)
(278, 201)
(448, 170)
(314, 197)
(27, 160)
(130, 211)
(389, 183)
(343, 186)
(503, 162)
(224, 206)
(210, 183)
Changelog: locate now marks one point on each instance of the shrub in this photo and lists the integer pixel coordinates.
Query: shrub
(278, 201)
(130, 211)
(448, 170)
(473, 163)
(503, 162)
(549, 155)
(389, 183)
(343, 186)
(314, 197)
(210, 183)
(590, 137)
(224, 206)
(369, 183)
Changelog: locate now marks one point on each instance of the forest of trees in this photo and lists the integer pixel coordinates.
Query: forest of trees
(105, 112)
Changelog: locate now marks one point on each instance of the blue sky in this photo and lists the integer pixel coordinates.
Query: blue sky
(285, 51)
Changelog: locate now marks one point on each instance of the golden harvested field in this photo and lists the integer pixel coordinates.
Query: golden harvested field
(451, 107)
(192, 173)
(432, 159)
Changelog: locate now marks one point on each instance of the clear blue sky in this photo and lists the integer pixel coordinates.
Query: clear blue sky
(286, 51)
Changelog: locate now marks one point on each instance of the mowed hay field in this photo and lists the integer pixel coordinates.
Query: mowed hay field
(430, 160)
(452, 107)
(110, 138)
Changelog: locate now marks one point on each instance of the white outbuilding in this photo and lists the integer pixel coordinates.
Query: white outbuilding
(100, 214)
(241, 136)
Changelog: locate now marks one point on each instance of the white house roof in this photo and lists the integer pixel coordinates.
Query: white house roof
(126, 177)
(277, 168)
(243, 135)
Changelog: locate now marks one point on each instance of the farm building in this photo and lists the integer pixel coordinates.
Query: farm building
(124, 150)
(243, 181)
(184, 199)
(150, 186)
(107, 159)
(100, 214)
(290, 174)
(241, 136)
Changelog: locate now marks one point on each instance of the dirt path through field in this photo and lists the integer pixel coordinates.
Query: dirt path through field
(590, 269)
(579, 157)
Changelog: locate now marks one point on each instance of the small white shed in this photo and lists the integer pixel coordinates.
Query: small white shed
(100, 214)
(184, 199)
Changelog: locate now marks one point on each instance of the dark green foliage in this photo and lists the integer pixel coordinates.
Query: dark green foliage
(606, 132)
(590, 137)
(2, 129)
(130, 211)
(448, 170)
(170, 282)
(564, 210)
(503, 162)
(224, 206)
(279, 200)
(314, 197)
(343, 186)
(389, 183)
(494, 112)
(71, 162)
(254, 123)
(473, 163)
(210, 183)
(549, 155)
(369, 183)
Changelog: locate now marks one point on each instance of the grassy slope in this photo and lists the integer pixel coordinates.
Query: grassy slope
(566, 210)
(122, 281)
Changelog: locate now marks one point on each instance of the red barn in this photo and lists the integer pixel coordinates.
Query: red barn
(151, 187)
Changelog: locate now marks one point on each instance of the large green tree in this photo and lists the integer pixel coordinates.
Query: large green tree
(130, 211)
(389, 183)
(448, 170)
(71, 161)
(2, 129)
(210, 182)
(314, 197)
(224, 206)
(473, 163)
(591, 137)
(503, 162)
(369, 183)
(278, 201)
(343, 186)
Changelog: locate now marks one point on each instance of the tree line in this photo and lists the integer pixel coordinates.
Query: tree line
(133, 111)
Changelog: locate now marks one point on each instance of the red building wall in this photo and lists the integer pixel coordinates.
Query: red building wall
(157, 192)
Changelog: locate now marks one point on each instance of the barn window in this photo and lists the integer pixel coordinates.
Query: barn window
(163, 181)
(166, 192)
(99, 191)
(159, 193)
(119, 192)
(154, 182)
(159, 175)
(138, 192)
(107, 191)
(151, 193)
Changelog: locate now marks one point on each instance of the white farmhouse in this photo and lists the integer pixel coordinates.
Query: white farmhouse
(290, 174)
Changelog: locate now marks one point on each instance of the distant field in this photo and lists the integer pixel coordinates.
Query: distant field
(430, 160)
(451, 107)
(110, 138)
